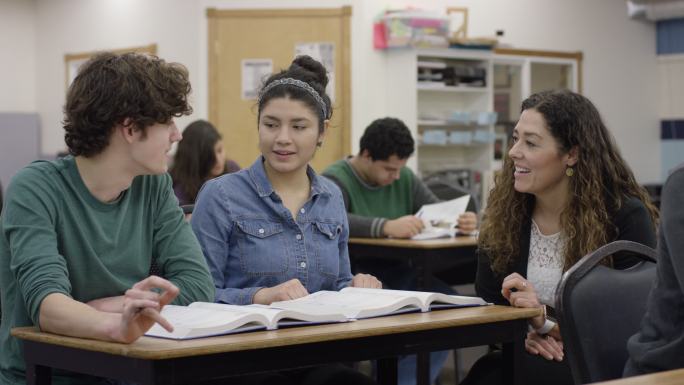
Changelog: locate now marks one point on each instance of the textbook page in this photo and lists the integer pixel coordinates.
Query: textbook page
(194, 322)
(428, 300)
(278, 317)
(353, 305)
(440, 218)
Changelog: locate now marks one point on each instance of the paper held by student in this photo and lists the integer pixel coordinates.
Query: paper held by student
(440, 218)
(356, 303)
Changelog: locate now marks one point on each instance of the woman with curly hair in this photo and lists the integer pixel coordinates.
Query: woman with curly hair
(563, 192)
(199, 157)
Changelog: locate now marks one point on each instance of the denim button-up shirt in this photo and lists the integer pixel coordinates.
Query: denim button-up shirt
(251, 240)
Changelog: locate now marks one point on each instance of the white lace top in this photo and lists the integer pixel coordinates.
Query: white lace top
(545, 263)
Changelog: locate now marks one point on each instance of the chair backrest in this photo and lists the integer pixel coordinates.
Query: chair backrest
(187, 209)
(599, 308)
(446, 191)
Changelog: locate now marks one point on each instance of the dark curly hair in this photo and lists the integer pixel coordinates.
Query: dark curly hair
(308, 70)
(110, 88)
(195, 157)
(386, 137)
(601, 183)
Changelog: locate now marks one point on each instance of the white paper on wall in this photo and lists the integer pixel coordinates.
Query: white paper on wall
(254, 71)
(324, 52)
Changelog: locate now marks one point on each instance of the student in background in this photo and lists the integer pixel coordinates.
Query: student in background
(276, 230)
(659, 345)
(78, 234)
(564, 191)
(381, 195)
(199, 157)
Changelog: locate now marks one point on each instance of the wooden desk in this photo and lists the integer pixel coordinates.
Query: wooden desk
(421, 253)
(670, 377)
(159, 361)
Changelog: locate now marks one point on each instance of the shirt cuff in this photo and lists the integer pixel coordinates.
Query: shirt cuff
(376, 227)
(545, 328)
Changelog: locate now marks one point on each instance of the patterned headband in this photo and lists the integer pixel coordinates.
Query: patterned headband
(300, 84)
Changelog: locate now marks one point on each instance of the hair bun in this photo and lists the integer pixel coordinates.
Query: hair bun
(312, 66)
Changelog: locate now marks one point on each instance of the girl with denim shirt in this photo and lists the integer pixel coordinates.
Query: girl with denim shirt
(276, 230)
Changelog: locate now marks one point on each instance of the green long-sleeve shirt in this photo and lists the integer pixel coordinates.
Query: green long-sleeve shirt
(56, 237)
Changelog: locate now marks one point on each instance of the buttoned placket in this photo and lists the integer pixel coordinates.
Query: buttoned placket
(301, 255)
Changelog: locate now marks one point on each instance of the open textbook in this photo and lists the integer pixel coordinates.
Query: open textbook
(204, 319)
(356, 303)
(440, 218)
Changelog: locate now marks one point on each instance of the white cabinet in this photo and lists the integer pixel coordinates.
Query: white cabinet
(452, 117)
(520, 73)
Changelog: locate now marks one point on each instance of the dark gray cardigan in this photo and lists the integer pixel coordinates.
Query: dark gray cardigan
(633, 224)
(660, 343)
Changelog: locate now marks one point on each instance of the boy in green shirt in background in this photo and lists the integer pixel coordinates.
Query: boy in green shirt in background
(381, 195)
(78, 235)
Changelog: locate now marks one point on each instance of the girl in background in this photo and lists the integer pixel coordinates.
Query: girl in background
(199, 157)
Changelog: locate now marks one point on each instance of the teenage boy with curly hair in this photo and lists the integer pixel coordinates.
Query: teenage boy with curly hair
(78, 234)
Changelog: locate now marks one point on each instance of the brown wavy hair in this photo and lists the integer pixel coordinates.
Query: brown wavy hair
(110, 88)
(195, 158)
(601, 183)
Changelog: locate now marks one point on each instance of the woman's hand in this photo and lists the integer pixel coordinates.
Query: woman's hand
(366, 280)
(521, 293)
(286, 291)
(545, 346)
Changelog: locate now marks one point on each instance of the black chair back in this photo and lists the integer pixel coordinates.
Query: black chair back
(447, 191)
(599, 308)
(187, 209)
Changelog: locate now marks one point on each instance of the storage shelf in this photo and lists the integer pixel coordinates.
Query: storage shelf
(463, 89)
(449, 124)
(473, 144)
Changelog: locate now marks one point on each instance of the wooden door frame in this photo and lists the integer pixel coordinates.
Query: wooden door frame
(574, 55)
(344, 12)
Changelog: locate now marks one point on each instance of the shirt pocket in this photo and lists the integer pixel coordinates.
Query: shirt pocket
(326, 237)
(262, 248)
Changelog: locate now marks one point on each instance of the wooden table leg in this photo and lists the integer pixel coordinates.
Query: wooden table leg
(423, 272)
(38, 375)
(512, 361)
(387, 371)
(423, 368)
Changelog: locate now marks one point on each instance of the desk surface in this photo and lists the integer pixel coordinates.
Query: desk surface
(440, 243)
(670, 377)
(159, 349)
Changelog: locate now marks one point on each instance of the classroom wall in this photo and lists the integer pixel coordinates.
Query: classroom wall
(620, 64)
(75, 26)
(620, 69)
(18, 64)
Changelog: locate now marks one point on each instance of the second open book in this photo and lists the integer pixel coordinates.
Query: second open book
(203, 319)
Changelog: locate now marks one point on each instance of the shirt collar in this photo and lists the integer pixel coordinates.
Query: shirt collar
(263, 186)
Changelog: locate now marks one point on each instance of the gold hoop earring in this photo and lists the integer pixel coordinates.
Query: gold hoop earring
(570, 171)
